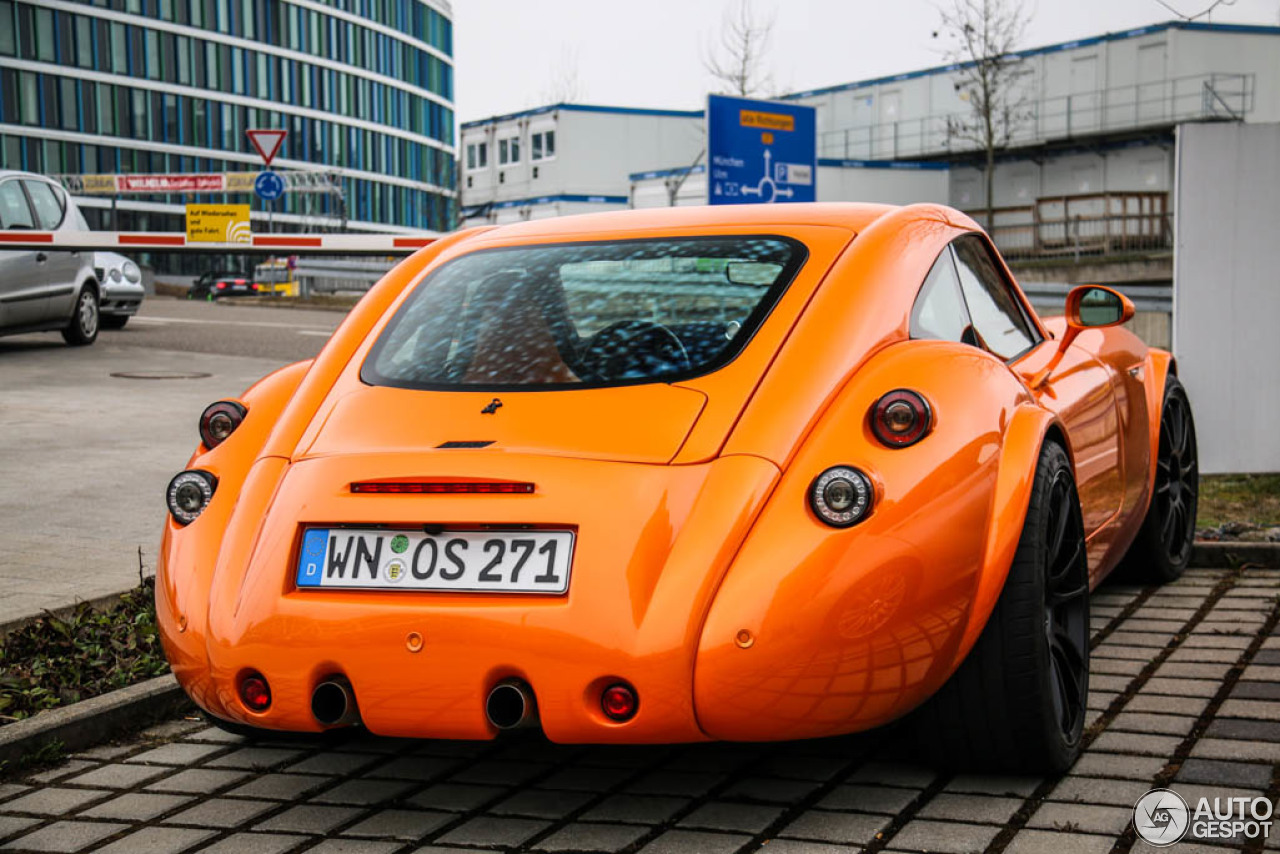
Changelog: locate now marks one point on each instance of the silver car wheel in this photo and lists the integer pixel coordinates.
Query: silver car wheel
(87, 312)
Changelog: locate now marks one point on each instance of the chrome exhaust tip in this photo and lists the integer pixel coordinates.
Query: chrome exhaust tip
(511, 705)
(333, 703)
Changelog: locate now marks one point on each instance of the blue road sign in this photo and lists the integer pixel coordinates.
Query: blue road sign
(269, 186)
(760, 151)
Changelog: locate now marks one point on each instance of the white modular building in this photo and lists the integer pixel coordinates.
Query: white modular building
(567, 158)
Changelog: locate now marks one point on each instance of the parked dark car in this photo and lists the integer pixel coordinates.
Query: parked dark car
(223, 283)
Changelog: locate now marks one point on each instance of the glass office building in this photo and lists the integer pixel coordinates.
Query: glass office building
(170, 86)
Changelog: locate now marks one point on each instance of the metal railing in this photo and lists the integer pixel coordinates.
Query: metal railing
(1094, 224)
(1164, 102)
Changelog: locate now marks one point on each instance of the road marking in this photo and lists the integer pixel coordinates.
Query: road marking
(261, 323)
(314, 332)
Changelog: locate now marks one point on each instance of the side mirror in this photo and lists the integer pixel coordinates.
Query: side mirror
(1088, 307)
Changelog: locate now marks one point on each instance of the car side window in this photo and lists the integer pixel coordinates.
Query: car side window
(939, 313)
(14, 210)
(998, 317)
(47, 204)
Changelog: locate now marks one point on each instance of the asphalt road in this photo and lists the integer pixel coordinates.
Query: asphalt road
(85, 454)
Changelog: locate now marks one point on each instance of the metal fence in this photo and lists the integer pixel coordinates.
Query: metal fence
(1164, 102)
(1097, 224)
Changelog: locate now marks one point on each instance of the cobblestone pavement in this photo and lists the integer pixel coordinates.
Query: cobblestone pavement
(1185, 694)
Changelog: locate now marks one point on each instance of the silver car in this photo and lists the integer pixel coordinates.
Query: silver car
(45, 289)
(120, 282)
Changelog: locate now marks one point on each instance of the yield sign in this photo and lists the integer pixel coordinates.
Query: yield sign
(267, 142)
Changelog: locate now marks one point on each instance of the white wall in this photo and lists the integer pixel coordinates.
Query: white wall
(1226, 292)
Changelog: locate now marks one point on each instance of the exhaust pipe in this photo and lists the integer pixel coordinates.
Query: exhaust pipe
(511, 704)
(333, 702)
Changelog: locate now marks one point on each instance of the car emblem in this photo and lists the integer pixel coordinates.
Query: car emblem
(492, 408)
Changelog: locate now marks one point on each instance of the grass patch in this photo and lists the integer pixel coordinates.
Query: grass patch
(56, 661)
(1249, 498)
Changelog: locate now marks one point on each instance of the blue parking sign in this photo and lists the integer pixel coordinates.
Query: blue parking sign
(760, 151)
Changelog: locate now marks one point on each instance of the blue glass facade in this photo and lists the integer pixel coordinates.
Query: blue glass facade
(119, 86)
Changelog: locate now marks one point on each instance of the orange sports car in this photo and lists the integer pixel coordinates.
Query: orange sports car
(743, 473)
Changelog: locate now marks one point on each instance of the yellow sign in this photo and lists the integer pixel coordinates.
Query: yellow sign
(241, 182)
(218, 224)
(98, 185)
(768, 121)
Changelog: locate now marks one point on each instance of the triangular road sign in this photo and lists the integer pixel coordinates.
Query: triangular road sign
(267, 142)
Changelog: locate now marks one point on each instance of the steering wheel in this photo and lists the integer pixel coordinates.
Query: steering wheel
(634, 349)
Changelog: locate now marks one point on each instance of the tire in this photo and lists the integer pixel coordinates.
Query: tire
(82, 328)
(114, 321)
(1162, 549)
(1017, 702)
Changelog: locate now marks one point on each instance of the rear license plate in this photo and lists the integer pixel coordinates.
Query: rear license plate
(459, 561)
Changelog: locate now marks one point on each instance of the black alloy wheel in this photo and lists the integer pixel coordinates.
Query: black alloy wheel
(1066, 605)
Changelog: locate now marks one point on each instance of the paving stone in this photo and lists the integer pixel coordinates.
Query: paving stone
(797, 846)
(62, 769)
(1198, 654)
(9, 790)
(893, 774)
(674, 783)
(354, 846)
(105, 752)
(136, 806)
(1189, 670)
(1165, 705)
(1244, 729)
(1181, 687)
(199, 781)
(419, 768)
(1102, 683)
(886, 800)
(221, 812)
(365, 792)
(159, 840)
(506, 773)
(1143, 722)
(490, 831)
(280, 787)
(1143, 745)
(1152, 642)
(1193, 792)
(818, 768)
(1256, 691)
(1080, 817)
(1030, 841)
(1241, 751)
(920, 835)
(822, 826)
(400, 824)
(542, 803)
(1197, 770)
(1090, 790)
(52, 801)
(173, 729)
(1222, 641)
(581, 836)
(693, 842)
(981, 809)
(1254, 709)
(455, 797)
(580, 779)
(744, 818)
(218, 736)
(254, 843)
(638, 809)
(118, 776)
(1099, 700)
(1115, 667)
(772, 790)
(11, 824)
(254, 758)
(993, 784)
(333, 763)
(177, 753)
(1111, 649)
(309, 818)
(67, 836)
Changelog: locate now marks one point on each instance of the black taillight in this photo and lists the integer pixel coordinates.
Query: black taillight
(901, 418)
(219, 420)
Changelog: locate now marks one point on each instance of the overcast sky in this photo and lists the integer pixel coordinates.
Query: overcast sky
(509, 54)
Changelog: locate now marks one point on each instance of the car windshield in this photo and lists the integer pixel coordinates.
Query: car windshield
(584, 314)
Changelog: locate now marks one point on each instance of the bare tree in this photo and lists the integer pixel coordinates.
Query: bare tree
(564, 86)
(1206, 13)
(983, 36)
(737, 58)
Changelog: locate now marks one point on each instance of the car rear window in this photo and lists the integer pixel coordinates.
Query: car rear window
(584, 314)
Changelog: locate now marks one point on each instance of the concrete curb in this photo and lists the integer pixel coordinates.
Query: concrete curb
(1222, 555)
(93, 721)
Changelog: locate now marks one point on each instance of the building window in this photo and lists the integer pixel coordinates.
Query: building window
(509, 150)
(543, 145)
(477, 155)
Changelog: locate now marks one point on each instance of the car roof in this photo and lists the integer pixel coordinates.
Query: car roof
(851, 215)
(18, 173)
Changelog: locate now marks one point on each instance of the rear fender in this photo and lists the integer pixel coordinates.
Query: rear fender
(1159, 365)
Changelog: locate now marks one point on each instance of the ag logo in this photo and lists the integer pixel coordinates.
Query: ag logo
(1161, 817)
(394, 570)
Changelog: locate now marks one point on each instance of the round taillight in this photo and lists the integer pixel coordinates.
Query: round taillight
(841, 496)
(901, 418)
(189, 493)
(219, 420)
(619, 702)
(255, 692)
